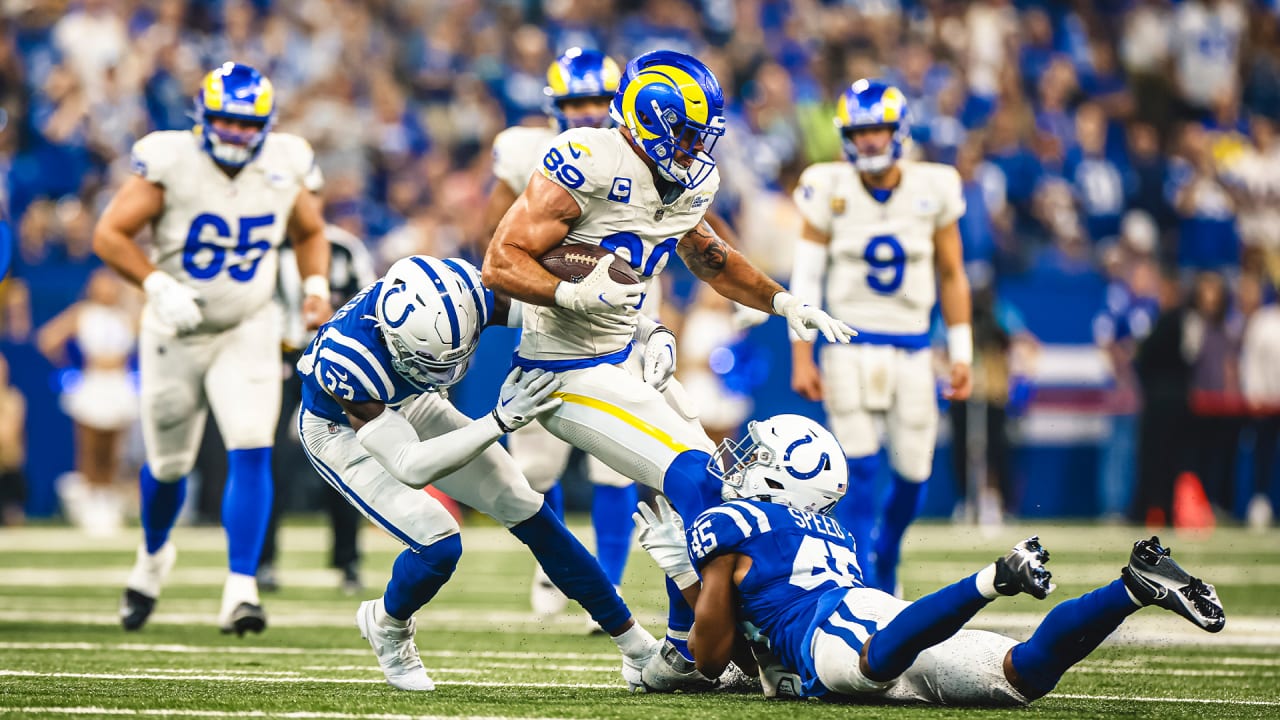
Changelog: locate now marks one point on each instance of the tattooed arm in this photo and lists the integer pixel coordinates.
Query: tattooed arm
(718, 264)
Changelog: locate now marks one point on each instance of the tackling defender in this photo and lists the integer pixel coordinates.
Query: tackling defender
(580, 85)
(876, 227)
(770, 557)
(640, 189)
(219, 200)
(376, 428)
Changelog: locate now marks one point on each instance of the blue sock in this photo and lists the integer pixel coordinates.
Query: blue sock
(679, 619)
(416, 577)
(691, 485)
(572, 568)
(905, 500)
(921, 625)
(555, 498)
(1070, 632)
(611, 509)
(246, 507)
(161, 502)
(856, 511)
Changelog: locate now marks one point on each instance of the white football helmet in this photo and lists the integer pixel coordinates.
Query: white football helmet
(786, 459)
(430, 313)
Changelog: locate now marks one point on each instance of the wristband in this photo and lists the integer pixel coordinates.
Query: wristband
(317, 285)
(781, 299)
(501, 425)
(960, 343)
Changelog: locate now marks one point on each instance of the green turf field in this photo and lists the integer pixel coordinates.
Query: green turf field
(63, 654)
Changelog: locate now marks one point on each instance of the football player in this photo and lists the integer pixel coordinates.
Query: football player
(377, 429)
(879, 233)
(219, 200)
(770, 557)
(580, 85)
(640, 189)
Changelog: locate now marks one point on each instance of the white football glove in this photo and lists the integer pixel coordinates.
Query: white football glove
(807, 321)
(525, 396)
(659, 358)
(599, 293)
(175, 304)
(662, 536)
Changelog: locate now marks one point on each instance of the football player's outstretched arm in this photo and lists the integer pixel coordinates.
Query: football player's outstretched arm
(394, 443)
(807, 272)
(953, 292)
(311, 249)
(135, 205)
(714, 631)
(538, 221)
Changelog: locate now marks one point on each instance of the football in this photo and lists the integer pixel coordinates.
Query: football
(572, 262)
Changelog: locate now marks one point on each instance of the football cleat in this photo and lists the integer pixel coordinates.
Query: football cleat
(1023, 570)
(244, 618)
(394, 647)
(735, 680)
(669, 672)
(1154, 578)
(633, 668)
(544, 597)
(776, 679)
(144, 583)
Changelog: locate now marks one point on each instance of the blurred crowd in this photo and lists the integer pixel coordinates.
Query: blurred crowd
(1129, 140)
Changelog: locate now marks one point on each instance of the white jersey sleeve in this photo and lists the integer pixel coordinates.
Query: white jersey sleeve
(517, 153)
(155, 156)
(576, 161)
(813, 196)
(951, 192)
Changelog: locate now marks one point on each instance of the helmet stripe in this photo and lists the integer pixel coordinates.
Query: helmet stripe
(482, 316)
(610, 75)
(262, 105)
(213, 96)
(696, 107)
(444, 295)
(557, 79)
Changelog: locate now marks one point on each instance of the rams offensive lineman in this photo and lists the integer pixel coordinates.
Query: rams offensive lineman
(219, 201)
(876, 229)
(640, 189)
(771, 558)
(376, 428)
(580, 85)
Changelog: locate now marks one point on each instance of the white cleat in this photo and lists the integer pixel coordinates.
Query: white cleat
(633, 667)
(144, 583)
(544, 597)
(241, 609)
(394, 648)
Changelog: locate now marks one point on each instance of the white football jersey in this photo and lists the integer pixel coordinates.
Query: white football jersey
(219, 234)
(880, 274)
(517, 153)
(621, 211)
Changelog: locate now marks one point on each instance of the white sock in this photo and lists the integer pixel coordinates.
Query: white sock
(241, 588)
(381, 617)
(635, 642)
(986, 582)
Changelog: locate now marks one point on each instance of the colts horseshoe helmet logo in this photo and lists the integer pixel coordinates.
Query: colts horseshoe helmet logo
(824, 460)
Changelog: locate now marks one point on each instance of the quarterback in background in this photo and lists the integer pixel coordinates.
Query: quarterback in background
(771, 559)
(219, 200)
(876, 229)
(580, 85)
(642, 190)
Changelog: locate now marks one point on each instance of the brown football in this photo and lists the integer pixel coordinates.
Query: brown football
(574, 261)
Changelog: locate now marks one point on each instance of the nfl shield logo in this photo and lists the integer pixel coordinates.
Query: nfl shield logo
(837, 206)
(658, 215)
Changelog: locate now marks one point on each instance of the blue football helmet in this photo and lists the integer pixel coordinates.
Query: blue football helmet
(673, 106)
(235, 92)
(577, 75)
(872, 104)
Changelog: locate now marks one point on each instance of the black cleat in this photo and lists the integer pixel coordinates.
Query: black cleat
(1154, 578)
(246, 618)
(135, 608)
(1023, 570)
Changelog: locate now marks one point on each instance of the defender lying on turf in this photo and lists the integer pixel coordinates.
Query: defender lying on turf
(770, 556)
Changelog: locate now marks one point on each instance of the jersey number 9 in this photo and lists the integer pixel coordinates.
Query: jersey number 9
(888, 263)
(203, 259)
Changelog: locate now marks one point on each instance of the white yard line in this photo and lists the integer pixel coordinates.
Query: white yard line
(250, 650)
(1198, 701)
(185, 712)
(223, 677)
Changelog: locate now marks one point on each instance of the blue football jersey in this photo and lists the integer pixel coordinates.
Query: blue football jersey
(801, 565)
(348, 359)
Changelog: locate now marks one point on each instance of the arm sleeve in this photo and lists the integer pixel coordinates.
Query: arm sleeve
(807, 272)
(952, 191)
(393, 442)
(813, 198)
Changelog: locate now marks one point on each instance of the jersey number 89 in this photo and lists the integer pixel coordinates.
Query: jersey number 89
(203, 260)
(554, 162)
